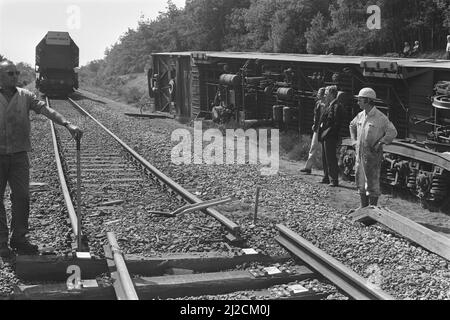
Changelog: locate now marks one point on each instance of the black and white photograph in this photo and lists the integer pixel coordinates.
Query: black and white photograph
(225, 158)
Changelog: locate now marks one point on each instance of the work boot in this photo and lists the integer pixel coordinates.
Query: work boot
(364, 203)
(373, 201)
(325, 181)
(5, 252)
(306, 170)
(24, 247)
(364, 200)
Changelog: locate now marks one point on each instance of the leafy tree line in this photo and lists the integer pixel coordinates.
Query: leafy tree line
(290, 26)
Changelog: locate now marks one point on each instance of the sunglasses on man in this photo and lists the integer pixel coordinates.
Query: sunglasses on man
(12, 73)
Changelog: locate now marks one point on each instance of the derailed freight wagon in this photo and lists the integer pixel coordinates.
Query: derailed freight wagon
(280, 89)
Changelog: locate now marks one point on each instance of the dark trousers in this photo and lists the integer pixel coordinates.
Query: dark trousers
(15, 170)
(329, 159)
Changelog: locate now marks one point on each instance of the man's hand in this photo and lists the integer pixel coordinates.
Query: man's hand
(378, 147)
(74, 131)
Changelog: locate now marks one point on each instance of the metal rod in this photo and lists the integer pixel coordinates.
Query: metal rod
(200, 206)
(193, 207)
(78, 139)
(340, 275)
(230, 225)
(124, 276)
(255, 215)
(69, 204)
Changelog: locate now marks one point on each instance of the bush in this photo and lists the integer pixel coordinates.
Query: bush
(132, 95)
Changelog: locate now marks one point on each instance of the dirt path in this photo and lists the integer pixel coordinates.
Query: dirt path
(345, 197)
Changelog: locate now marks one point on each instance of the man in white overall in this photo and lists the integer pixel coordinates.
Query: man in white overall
(370, 130)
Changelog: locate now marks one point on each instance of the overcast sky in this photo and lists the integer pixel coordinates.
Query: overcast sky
(99, 24)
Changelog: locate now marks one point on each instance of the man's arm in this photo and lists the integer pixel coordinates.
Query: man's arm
(353, 127)
(41, 107)
(391, 133)
(389, 136)
(53, 115)
(337, 115)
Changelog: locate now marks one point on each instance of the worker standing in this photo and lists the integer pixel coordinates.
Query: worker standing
(315, 145)
(15, 143)
(370, 130)
(328, 135)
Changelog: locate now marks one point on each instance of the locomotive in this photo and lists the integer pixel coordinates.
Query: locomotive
(280, 89)
(57, 59)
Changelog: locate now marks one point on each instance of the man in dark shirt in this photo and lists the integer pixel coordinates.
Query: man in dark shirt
(329, 134)
(15, 105)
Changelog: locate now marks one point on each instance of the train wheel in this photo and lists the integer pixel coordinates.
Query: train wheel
(441, 102)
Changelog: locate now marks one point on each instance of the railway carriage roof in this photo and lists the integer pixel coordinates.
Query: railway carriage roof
(332, 59)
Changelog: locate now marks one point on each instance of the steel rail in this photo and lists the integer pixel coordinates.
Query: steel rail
(340, 275)
(124, 277)
(227, 223)
(69, 204)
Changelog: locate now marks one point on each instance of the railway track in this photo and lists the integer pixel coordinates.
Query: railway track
(117, 179)
(99, 268)
(191, 276)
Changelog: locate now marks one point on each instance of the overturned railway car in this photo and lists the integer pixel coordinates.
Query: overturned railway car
(57, 57)
(280, 89)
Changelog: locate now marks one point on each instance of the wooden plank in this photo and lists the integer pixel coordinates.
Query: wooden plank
(199, 262)
(168, 286)
(411, 230)
(150, 115)
(59, 291)
(53, 268)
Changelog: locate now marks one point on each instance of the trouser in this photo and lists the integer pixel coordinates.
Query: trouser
(447, 56)
(313, 151)
(329, 159)
(367, 173)
(15, 170)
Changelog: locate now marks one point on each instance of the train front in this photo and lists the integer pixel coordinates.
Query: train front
(57, 57)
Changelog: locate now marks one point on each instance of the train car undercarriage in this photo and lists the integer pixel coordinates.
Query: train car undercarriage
(279, 89)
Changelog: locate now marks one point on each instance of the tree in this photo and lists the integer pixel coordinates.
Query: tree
(317, 35)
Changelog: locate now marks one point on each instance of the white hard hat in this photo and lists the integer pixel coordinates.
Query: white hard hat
(367, 93)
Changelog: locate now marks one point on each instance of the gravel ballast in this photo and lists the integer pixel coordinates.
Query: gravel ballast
(402, 269)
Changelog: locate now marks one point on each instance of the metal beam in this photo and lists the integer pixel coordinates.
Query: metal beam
(230, 225)
(340, 275)
(62, 179)
(126, 283)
